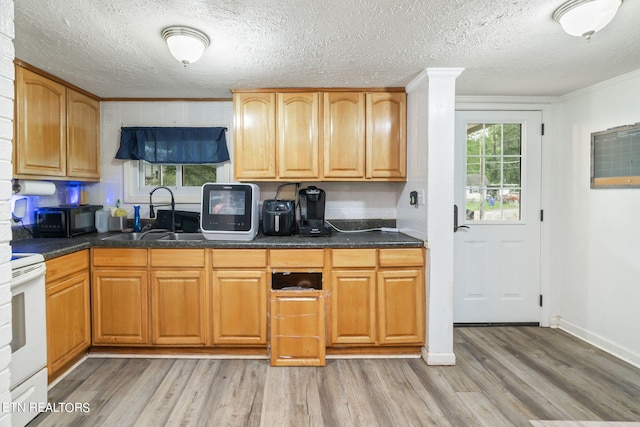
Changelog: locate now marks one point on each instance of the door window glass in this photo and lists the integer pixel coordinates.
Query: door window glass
(494, 172)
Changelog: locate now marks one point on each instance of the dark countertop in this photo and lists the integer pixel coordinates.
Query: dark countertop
(55, 247)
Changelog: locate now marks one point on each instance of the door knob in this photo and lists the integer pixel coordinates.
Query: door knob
(456, 227)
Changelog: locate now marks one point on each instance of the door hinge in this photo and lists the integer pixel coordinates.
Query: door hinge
(542, 129)
(540, 300)
(541, 215)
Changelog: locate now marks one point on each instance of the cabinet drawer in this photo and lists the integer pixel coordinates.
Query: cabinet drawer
(401, 257)
(233, 258)
(103, 257)
(177, 257)
(353, 257)
(66, 265)
(282, 258)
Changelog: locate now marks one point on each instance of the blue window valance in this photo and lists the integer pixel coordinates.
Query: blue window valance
(175, 145)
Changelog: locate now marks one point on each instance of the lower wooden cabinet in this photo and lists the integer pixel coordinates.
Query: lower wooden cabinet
(68, 311)
(401, 313)
(377, 299)
(179, 311)
(222, 297)
(178, 307)
(239, 307)
(297, 328)
(120, 301)
(150, 297)
(353, 307)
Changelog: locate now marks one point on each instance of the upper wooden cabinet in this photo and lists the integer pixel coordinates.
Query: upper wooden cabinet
(298, 135)
(344, 135)
(255, 135)
(386, 135)
(83, 136)
(320, 136)
(57, 130)
(41, 126)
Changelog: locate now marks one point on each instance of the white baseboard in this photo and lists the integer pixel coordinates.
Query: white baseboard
(554, 321)
(598, 341)
(442, 359)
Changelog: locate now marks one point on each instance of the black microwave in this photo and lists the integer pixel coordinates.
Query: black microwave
(65, 221)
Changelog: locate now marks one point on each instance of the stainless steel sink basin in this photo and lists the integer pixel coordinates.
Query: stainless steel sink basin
(137, 236)
(182, 236)
(156, 235)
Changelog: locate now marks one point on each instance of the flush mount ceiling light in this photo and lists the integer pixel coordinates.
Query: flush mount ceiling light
(583, 18)
(185, 44)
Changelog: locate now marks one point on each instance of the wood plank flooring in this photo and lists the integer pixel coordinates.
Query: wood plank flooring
(505, 376)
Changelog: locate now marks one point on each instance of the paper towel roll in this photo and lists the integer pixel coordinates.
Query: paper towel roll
(34, 188)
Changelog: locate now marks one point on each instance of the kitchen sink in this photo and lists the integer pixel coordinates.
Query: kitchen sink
(156, 235)
(137, 236)
(182, 236)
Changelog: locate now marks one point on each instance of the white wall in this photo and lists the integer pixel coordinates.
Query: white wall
(595, 244)
(7, 54)
(412, 219)
(430, 138)
(344, 200)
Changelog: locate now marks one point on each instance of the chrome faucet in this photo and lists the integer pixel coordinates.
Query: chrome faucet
(152, 213)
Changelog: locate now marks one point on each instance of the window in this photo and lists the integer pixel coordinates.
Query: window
(494, 171)
(184, 180)
(153, 175)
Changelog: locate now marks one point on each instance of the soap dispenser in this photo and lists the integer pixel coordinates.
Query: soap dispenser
(136, 219)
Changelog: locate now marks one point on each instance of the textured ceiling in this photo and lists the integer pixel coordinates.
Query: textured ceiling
(508, 47)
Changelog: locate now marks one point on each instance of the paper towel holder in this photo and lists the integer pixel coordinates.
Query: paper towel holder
(33, 188)
(16, 186)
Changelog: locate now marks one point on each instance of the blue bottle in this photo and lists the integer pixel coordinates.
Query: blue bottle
(136, 219)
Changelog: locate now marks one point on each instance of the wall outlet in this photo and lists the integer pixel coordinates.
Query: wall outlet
(420, 196)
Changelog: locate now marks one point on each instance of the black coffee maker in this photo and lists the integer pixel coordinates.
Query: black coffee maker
(311, 201)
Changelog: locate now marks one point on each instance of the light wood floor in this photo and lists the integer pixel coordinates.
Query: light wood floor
(505, 376)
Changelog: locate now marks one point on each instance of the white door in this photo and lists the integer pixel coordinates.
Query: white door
(497, 196)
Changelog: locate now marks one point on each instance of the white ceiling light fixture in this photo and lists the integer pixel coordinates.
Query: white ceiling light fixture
(185, 44)
(583, 18)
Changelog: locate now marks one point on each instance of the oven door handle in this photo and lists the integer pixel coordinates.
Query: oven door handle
(25, 274)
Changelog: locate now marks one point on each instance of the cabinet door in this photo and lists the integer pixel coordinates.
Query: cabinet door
(401, 312)
(297, 328)
(255, 135)
(178, 307)
(40, 146)
(344, 135)
(298, 135)
(120, 306)
(83, 136)
(239, 307)
(353, 307)
(68, 320)
(386, 135)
